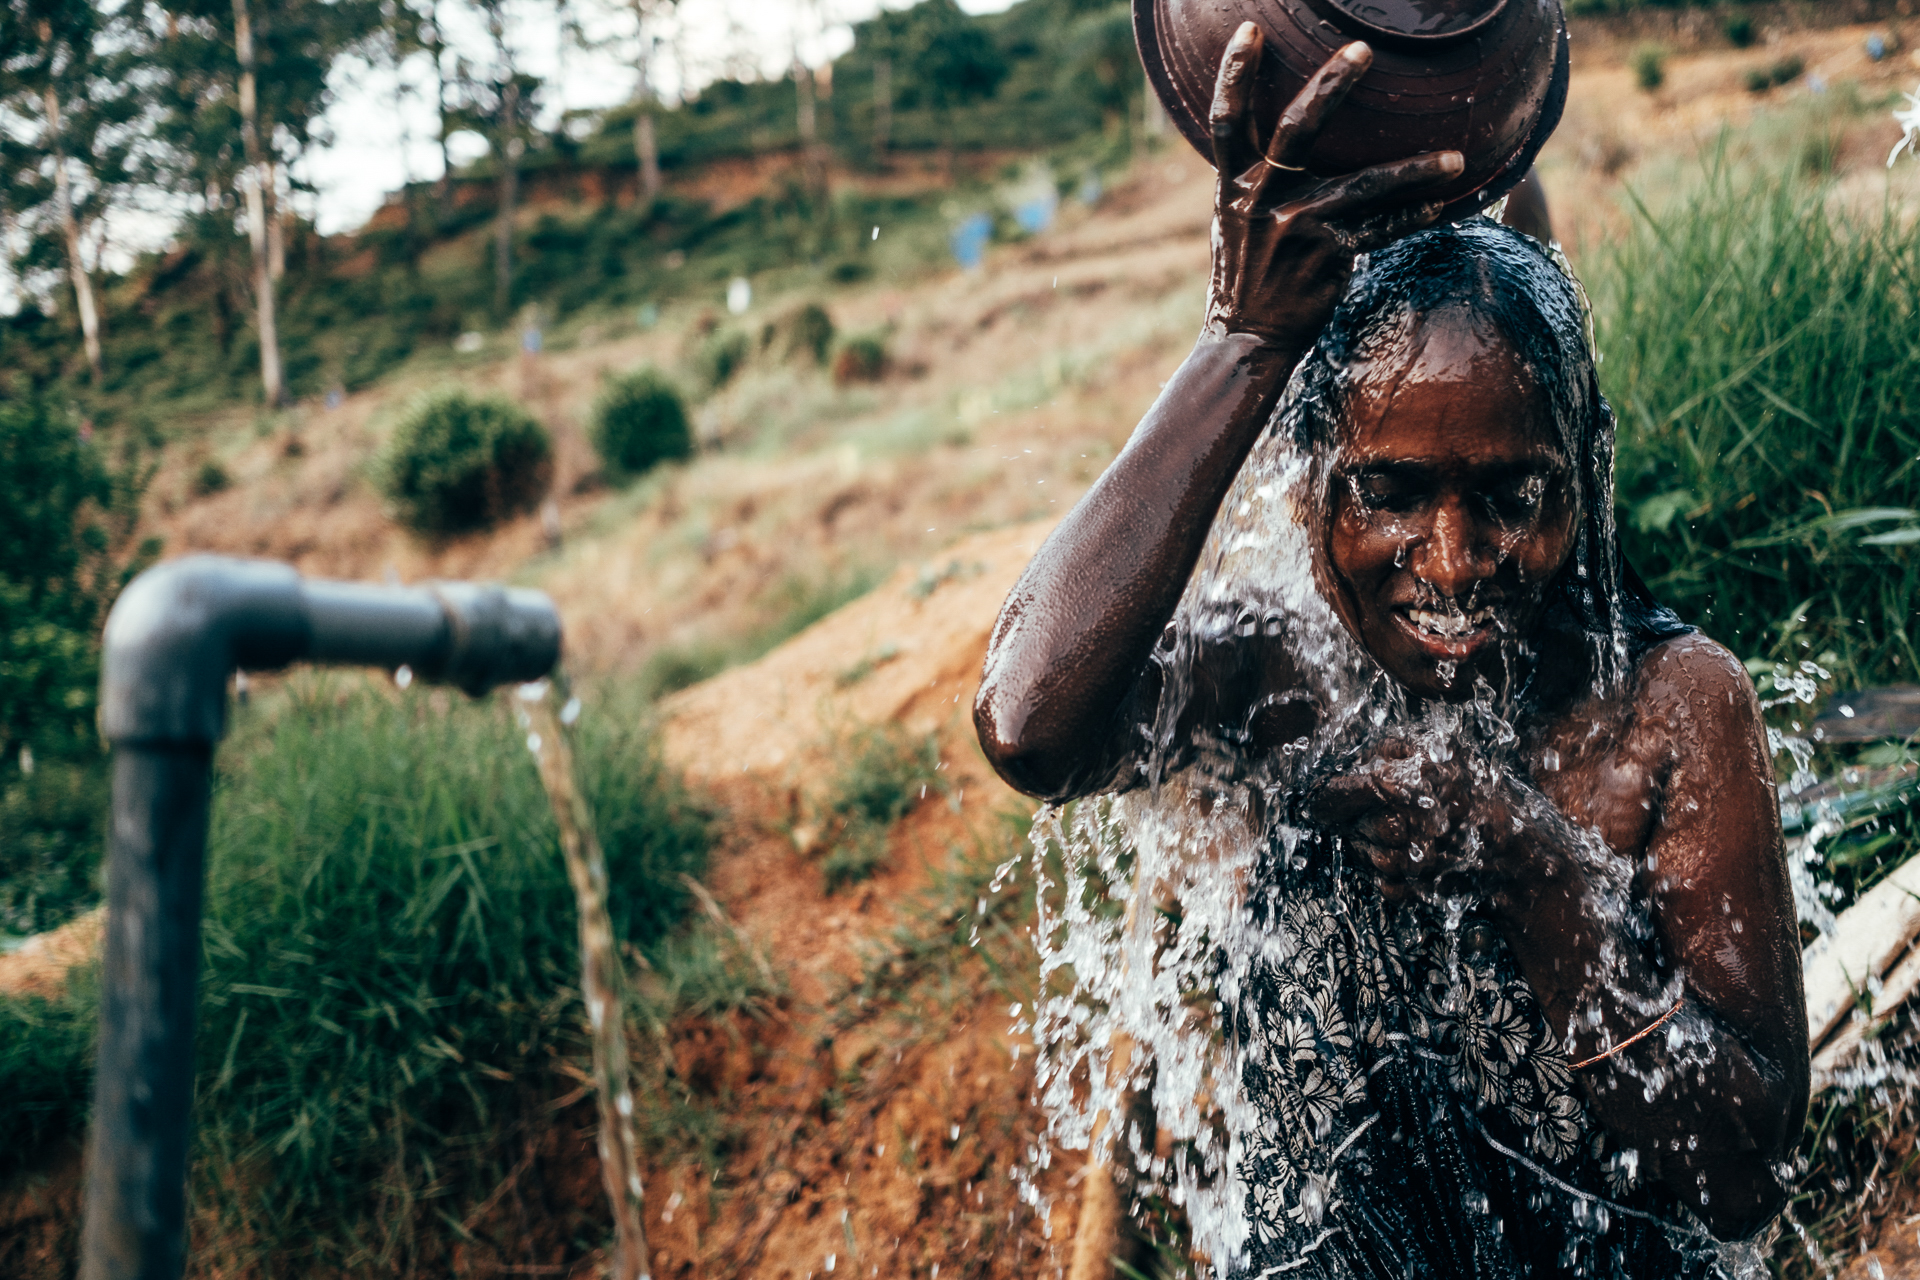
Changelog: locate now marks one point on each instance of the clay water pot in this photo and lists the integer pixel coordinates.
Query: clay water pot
(1487, 78)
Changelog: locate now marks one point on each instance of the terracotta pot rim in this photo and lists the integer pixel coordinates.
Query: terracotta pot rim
(1193, 126)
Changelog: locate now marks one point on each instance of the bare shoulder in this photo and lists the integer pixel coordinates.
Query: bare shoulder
(1693, 681)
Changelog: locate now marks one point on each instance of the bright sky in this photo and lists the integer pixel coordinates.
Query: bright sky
(383, 125)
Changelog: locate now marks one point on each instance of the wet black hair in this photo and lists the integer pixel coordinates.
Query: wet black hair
(1508, 280)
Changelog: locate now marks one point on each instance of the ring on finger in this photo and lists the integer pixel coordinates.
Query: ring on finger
(1284, 168)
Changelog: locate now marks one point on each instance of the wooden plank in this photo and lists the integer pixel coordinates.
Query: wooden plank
(1872, 934)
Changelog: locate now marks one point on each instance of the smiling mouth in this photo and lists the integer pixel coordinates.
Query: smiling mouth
(1449, 633)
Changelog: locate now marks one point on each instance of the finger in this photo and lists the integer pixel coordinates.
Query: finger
(1300, 124)
(1231, 90)
(1384, 859)
(1356, 194)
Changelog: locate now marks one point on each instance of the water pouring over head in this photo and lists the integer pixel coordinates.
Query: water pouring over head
(1452, 862)
(1464, 459)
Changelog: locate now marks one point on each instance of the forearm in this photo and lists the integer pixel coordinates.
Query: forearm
(1705, 1105)
(1078, 628)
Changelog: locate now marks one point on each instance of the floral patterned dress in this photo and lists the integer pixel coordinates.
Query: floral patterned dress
(1418, 1118)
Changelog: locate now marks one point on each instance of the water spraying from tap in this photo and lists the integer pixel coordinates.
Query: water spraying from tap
(602, 984)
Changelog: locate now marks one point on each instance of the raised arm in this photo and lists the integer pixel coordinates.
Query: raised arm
(1073, 640)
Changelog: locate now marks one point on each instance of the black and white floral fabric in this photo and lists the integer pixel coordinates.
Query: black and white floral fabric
(1417, 1115)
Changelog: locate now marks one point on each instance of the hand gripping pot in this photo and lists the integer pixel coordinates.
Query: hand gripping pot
(1487, 78)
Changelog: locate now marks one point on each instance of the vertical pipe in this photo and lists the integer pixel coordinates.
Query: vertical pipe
(143, 1080)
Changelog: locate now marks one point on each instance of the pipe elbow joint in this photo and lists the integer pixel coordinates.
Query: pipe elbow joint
(180, 629)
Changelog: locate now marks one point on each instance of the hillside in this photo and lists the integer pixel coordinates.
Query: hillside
(828, 566)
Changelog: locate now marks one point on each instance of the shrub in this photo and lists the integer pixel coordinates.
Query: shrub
(862, 358)
(65, 519)
(810, 332)
(1759, 354)
(720, 357)
(212, 478)
(1649, 63)
(457, 463)
(889, 772)
(1739, 30)
(639, 421)
(1785, 71)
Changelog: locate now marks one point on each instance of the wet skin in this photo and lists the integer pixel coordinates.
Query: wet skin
(1448, 512)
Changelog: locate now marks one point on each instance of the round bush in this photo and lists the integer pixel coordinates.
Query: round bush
(860, 359)
(457, 463)
(810, 330)
(640, 420)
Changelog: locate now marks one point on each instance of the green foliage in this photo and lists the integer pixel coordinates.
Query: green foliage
(1760, 356)
(457, 463)
(861, 358)
(943, 56)
(390, 962)
(888, 773)
(720, 357)
(1649, 63)
(63, 516)
(807, 331)
(53, 822)
(210, 478)
(793, 606)
(46, 1047)
(1738, 29)
(639, 421)
(1785, 71)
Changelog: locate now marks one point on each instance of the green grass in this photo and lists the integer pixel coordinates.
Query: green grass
(389, 970)
(791, 608)
(1760, 351)
(887, 772)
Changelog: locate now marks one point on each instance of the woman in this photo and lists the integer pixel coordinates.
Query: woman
(1532, 1002)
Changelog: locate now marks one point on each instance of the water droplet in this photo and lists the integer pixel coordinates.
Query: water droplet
(403, 675)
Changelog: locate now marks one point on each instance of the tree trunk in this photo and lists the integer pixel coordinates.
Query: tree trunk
(271, 383)
(70, 232)
(646, 148)
(276, 226)
(509, 161)
(438, 48)
(808, 122)
(646, 145)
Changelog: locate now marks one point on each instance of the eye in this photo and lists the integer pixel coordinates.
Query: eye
(1516, 499)
(1377, 491)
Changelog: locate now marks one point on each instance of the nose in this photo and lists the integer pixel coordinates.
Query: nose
(1452, 558)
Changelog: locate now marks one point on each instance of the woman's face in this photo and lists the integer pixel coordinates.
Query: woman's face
(1452, 507)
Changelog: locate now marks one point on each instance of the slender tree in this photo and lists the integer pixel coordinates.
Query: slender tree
(646, 143)
(68, 103)
(240, 92)
(258, 190)
(501, 102)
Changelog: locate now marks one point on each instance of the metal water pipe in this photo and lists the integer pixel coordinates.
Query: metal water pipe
(174, 639)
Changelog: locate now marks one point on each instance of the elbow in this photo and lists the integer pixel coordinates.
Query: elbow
(1027, 764)
(1744, 1211)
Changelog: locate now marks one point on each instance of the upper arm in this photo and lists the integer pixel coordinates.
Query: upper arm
(1722, 900)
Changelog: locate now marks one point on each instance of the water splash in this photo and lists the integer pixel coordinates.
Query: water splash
(1166, 912)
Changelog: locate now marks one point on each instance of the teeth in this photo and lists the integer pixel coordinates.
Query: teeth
(1450, 624)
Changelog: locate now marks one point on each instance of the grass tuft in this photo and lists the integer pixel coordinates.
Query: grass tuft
(1761, 355)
